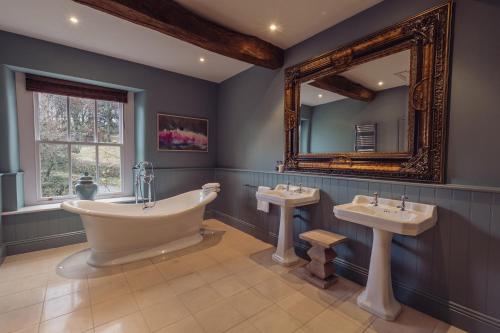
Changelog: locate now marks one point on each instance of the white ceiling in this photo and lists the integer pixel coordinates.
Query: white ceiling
(392, 70)
(105, 34)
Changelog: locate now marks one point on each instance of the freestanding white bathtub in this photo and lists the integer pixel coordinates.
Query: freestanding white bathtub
(121, 233)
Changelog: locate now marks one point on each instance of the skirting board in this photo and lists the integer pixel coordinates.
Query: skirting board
(443, 309)
(45, 242)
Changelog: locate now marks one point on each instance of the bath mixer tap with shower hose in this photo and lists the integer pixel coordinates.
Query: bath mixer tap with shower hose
(144, 181)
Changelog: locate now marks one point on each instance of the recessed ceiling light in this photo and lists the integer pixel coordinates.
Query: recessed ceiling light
(273, 27)
(73, 19)
(380, 83)
(202, 59)
(320, 95)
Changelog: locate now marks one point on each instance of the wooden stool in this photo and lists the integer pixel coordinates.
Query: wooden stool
(321, 271)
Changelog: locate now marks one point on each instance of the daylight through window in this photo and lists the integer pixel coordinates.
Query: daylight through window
(76, 135)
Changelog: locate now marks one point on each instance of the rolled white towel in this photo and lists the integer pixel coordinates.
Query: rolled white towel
(263, 206)
(211, 185)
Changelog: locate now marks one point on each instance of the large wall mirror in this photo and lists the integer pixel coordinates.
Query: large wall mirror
(374, 108)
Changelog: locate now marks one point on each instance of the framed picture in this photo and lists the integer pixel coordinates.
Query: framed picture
(176, 133)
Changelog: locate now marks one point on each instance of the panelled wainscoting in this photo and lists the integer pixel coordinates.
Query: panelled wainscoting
(46, 229)
(451, 271)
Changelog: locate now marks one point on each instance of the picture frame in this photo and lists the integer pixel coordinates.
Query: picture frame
(181, 133)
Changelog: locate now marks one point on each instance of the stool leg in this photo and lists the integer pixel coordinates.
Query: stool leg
(321, 269)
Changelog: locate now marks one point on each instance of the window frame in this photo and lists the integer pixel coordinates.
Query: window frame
(30, 147)
(69, 143)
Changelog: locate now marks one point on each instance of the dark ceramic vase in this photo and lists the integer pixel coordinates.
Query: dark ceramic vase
(86, 189)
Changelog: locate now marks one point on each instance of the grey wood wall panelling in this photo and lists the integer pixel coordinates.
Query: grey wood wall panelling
(451, 271)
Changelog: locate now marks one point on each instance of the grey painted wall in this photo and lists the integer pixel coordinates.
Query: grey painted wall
(250, 105)
(158, 91)
(332, 127)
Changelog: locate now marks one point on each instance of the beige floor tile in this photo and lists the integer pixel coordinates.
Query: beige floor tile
(198, 260)
(228, 286)
(244, 327)
(295, 278)
(65, 287)
(332, 321)
(301, 307)
(74, 322)
(22, 284)
(274, 319)
(97, 275)
(339, 291)
(144, 277)
(164, 314)
(31, 329)
(443, 327)
(134, 265)
(274, 289)
(113, 308)
(19, 319)
(21, 299)
(153, 295)
(186, 325)
(255, 275)
(350, 309)
(219, 317)
(186, 283)
(200, 298)
(175, 268)
(210, 282)
(249, 302)
(239, 264)
(222, 253)
(101, 292)
(65, 304)
(213, 273)
(112, 277)
(409, 321)
(132, 323)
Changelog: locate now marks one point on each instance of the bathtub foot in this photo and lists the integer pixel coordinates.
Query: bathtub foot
(102, 259)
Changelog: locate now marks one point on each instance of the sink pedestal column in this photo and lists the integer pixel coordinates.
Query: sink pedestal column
(285, 252)
(378, 297)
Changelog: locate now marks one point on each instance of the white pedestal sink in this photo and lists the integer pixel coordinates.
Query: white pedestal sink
(385, 219)
(287, 197)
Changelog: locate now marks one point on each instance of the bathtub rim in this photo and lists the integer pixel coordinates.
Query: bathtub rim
(70, 207)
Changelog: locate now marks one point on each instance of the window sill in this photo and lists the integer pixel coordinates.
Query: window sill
(57, 206)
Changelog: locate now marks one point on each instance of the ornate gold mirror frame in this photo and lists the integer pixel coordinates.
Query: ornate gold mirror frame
(427, 35)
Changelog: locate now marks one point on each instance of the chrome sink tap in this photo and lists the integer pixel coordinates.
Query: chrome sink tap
(288, 186)
(403, 202)
(300, 188)
(375, 199)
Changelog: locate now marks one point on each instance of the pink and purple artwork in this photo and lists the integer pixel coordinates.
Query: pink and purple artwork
(177, 133)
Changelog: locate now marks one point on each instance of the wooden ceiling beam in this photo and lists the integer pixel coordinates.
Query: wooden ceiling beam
(343, 86)
(170, 18)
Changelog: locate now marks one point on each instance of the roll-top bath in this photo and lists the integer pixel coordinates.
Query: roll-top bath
(120, 233)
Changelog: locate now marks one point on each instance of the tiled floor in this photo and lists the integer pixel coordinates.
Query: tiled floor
(228, 283)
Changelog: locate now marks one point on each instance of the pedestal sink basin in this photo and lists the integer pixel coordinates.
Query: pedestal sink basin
(386, 218)
(287, 197)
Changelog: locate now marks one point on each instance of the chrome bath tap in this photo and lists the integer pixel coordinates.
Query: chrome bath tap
(375, 199)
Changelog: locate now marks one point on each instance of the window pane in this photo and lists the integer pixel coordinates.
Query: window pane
(109, 169)
(81, 114)
(54, 169)
(83, 159)
(109, 116)
(52, 117)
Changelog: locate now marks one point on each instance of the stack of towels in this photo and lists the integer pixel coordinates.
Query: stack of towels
(210, 187)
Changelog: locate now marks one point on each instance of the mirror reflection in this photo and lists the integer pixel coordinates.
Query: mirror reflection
(364, 109)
